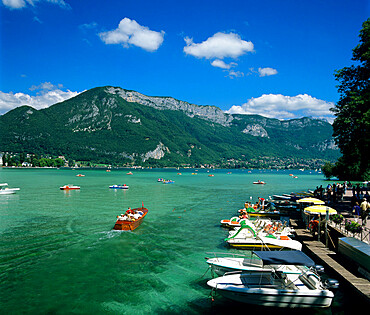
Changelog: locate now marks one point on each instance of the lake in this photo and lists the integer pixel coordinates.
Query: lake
(59, 254)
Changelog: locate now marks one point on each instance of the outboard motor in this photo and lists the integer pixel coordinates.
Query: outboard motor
(331, 284)
(319, 269)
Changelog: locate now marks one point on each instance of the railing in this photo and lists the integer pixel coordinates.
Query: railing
(364, 235)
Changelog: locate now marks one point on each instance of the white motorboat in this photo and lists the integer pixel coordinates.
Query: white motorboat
(5, 190)
(278, 285)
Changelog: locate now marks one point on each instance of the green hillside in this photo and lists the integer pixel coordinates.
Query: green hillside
(103, 127)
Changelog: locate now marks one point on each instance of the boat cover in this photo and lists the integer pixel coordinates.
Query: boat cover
(293, 257)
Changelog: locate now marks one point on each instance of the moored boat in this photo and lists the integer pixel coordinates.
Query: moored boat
(69, 187)
(271, 236)
(4, 190)
(131, 219)
(301, 288)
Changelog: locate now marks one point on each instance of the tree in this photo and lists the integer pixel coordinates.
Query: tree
(351, 125)
(327, 170)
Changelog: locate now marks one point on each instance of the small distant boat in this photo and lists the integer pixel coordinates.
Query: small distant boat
(259, 182)
(131, 219)
(129, 173)
(211, 175)
(179, 174)
(69, 187)
(124, 186)
(160, 180)
(108, 170)
(169, 181)
(4, 190)
(80, 175)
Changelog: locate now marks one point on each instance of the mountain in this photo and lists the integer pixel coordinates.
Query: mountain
(114, 125)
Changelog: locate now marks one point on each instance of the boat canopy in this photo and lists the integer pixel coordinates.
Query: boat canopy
(293, 257)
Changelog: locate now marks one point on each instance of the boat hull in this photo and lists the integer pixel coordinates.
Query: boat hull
(279, 298)
(123, 225)
(265, 242)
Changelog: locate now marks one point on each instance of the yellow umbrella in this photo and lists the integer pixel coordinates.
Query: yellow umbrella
(311, 200)
(319, 210)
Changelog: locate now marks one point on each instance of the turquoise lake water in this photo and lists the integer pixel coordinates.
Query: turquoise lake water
(59, 254)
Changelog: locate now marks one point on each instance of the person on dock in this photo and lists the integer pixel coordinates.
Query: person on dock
(356, 211)
(365, 209)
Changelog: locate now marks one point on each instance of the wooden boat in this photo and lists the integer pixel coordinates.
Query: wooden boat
(131, 219)
(69, 187)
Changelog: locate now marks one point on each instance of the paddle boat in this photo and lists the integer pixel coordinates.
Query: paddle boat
(267, 236)
(160, 180)
(124, 186)
(233, 222)
(131, 219)
(69, 187)
(4, 190)
(278, 285)
(258, 212)
(259, 182)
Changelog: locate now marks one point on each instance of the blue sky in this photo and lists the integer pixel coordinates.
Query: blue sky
(274, 58)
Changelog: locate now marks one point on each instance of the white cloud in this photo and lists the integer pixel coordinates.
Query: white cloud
(14, 4)
(20, 4)
(285, 107)
(222, 64)
(129, 32)
(263, 72)
(48, 94)
(220, 45)
(235, 74)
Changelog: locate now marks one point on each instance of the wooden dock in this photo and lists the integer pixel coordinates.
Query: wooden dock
(332, 262)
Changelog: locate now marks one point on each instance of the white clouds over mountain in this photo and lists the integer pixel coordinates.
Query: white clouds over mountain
(129, 32)
(48, 94)
(285, 107)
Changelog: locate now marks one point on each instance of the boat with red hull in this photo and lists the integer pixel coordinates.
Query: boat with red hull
(131, 219)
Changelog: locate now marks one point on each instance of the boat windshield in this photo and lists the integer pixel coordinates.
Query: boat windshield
(293, 257)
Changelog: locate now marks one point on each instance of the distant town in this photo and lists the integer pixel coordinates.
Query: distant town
(9, 159)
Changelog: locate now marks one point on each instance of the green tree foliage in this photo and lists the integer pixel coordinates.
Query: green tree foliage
(351, 125)
(327, 170)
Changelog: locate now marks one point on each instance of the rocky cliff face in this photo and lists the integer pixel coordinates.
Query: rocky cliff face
(210, 113)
